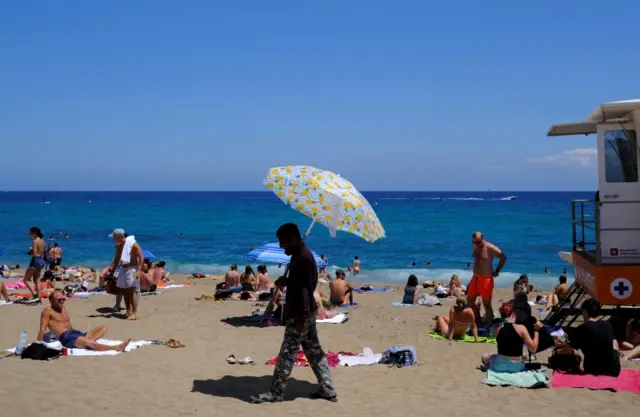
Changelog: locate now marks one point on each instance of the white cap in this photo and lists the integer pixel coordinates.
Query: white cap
(117, 232)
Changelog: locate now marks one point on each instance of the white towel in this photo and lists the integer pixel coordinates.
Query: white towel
(84, 352)
(172, 286)
(360, 359)
(125, 258)
(4, 303)
(340, 318)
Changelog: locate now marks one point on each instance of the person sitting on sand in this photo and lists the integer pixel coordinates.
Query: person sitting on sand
(521, 285)
(510, 337)
(411, 291)
(159, 274)
(322, 313)
(457, 324)
(56, 319)
(264, 283)
(147, 284)
(559, 293)
(595, 339)
(456, 288)
(631, 342)
(248, 279)
(341, 291)
(232, 276)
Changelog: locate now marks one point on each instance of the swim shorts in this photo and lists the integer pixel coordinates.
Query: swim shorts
(126, 278)
(482, 286)
(502, 364)
(68, 338)
(37, 262)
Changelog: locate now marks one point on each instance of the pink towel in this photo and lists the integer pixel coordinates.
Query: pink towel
(15, 285)
(628, 380)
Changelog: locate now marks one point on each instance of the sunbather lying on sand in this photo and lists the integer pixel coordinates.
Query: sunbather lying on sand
(341, 290)
(56, 319)
(246, 296)
(322, 314)
(457, 324)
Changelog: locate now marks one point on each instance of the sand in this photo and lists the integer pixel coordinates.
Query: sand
(197, 381)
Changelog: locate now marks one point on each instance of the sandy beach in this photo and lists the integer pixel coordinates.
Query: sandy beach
(163, 382)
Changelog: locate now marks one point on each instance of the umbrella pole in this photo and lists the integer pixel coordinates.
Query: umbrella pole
(306, 235)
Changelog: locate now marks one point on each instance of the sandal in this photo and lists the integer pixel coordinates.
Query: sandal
(246, 361)
(174, 344)
(231, 359)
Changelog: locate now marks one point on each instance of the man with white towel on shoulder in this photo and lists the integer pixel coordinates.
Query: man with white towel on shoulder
(127, 263)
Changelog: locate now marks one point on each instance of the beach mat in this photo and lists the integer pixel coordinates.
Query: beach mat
(467, 338)
(628, 380)
(85, 352)
(527, 379)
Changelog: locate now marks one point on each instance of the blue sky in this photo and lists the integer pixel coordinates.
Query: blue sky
(393, 95)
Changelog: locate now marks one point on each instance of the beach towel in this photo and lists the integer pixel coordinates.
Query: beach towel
(401, 304)
(15, 285)
(125, 258)
(5, 303)
(628, 380)
(527, 379)
(340, 318)
(367, 357)
(85, 352)
(467, 338)
(301, 359)
(367, 288)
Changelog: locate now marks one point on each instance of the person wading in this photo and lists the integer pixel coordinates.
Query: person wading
(300, 323)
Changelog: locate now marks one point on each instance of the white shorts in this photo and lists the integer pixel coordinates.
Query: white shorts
(126, 278)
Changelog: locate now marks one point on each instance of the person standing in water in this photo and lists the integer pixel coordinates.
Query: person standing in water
(57, 254)
(37, 252)
(300, 325)
(356, 265)
(482, 283)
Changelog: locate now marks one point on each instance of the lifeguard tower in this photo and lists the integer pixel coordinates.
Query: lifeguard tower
(606, 230)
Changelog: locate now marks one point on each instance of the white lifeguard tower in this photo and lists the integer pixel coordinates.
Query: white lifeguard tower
(606, 230)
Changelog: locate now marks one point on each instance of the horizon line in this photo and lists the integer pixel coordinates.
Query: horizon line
(269, 191)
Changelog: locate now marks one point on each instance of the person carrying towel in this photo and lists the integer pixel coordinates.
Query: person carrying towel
(127, 263)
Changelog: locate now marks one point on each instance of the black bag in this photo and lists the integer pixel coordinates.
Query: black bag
(39, 352)
(565, 359)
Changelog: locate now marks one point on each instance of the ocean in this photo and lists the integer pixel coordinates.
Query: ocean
(220, 227)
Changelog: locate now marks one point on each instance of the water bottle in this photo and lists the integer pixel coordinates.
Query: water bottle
(22, 344)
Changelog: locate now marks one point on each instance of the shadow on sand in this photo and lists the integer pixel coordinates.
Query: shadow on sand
(243, 387)
(107, 313)
(246, 321)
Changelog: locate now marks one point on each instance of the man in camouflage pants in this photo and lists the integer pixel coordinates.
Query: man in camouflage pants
(300, 322)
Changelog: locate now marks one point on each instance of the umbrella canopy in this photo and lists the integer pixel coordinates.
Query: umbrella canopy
(273, 253)
(327, 198)
(148, 255)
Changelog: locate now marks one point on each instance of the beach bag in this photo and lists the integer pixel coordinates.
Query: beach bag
(398, 357)
(222, 294)
(39, 352)
(565, 359)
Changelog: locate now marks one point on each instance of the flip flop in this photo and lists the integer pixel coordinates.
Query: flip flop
(231, 359)
(246, 361)
(174, 344)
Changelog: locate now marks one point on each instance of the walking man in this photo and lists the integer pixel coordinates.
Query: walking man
(300, 324)
(483, 276)
(127, 263)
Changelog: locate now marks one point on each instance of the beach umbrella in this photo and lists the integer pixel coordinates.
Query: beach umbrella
(273, 253)
(148, 255)
(327, 198)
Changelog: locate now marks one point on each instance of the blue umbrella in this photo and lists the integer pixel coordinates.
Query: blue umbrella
(273, 253)
(148, 255)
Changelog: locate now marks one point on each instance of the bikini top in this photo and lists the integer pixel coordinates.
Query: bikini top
(509, 341)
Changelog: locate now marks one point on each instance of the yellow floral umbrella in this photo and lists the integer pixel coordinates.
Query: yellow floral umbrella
(327, 198)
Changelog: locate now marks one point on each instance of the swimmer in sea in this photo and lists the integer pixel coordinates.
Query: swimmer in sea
(457, 324)
(356, 265)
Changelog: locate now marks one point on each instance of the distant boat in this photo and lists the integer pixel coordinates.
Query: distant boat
(509, 198)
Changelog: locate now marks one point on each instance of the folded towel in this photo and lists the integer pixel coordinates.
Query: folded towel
(125, 258)
(467, 338)
(360, 359)
(85, 352)
(628, 380)
(340, 318)
(527, 379)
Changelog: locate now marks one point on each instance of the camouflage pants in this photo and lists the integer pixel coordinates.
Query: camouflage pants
(293, 339)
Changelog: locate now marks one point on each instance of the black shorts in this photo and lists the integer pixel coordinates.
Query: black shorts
(58, 262)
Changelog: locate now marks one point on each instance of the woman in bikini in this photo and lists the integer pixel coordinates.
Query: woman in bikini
(356, 265)
(457, 324)
(248, 279)
(37, 252)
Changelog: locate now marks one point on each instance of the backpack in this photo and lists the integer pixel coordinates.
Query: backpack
(39, 352)
(399, 357)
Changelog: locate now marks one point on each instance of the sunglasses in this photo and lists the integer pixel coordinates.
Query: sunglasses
(61, 300)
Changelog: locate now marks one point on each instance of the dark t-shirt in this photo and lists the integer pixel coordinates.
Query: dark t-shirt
(595, 340)
(301, 283)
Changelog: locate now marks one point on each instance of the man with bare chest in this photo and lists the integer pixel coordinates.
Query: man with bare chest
(56, 319)
(483, 275)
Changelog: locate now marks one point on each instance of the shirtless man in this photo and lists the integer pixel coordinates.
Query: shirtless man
(57, 254)
(483, 274)
(147, 283)
(340, 289)
(232, 277)
(457, 324)
(159, 274)
(56, 319)
(127, 267)
(559, 293)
